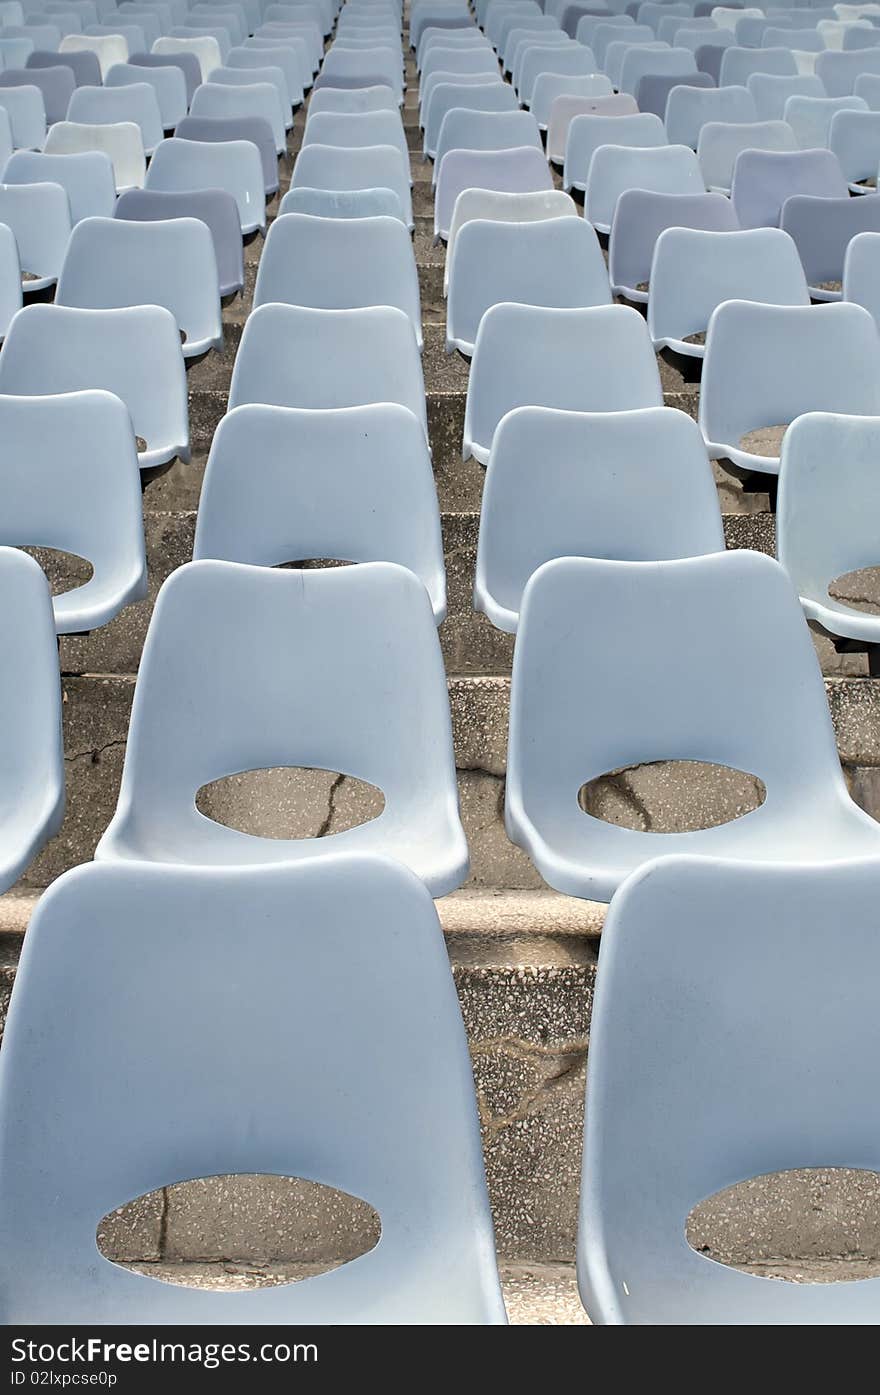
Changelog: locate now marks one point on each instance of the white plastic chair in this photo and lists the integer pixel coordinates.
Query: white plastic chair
(339, 264)
(694, 271)
(109, 49)
(764, 179)
(767, 364)
(110, 105)
(446, 97)
(551, 262)
(354, 129)
(134, 353)
(10, 278)
(810, 117)
(372, 500)
(121, 140)
(710, 701)
(587, 132)
(233, 166)
(375, 706)
(762, 1093)
(636, 486)
(721, 143)
(38, 216)
(78, 446)
(293, 356)
(640, 217)
(578, 360)
(669, 169)
(168, 84)
(32, 790)
(524, 170)
(205, 47)
(549, 87)
(688, 109)
(27, 116)
(499, 207)
(822, 230)
(369, 167)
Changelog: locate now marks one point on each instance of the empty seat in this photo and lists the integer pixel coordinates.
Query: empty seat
(641, 216)
(689, 36)
(349, 203)
(448, 97)
(822, 230)
(373, 499)
(107, 48)
(471, 61)
(586, 133)
(710, 56)
(500, 207)
(639, 62)
(205, 48)
(709, 701)
(227, 18)
(771, 91)
(354, 129)
(14, 53)
(78, 448)
(32, 789)
(285, 60)
(10, 278)
(767, 364)
(216, 209)
(550, 86)
(218, 33)
(235, 77)
(133, 34)
(254, 130)
(523, 170)
(833, 32)
(738, 64)
(43, 36)
(375, 706)
(653, 89)
(169, 88)
(134, 353)
(440, 77)
(355, 99)
(810, 117)
(39, 217)
(134, 102)
(86, 177)
(854, 137)
(579, 360)
(462, 129)
(84, 65)
(291, 356)
(56, 85)
(186, 63)
(533, 50)
(690, 108)
(551, 262)
(304, 33)
(636, 486)
(694, 271)
(668, 169)
(27, 115)
(339, 264)
(609, 29)
(764, 179)
(221, 102)
(340, 169)
(840, 71)
(233, 166)
(576, 60)
(761, 1094)
(861, 273)
(566, 108)
(121, 141)
(362, 68)
(721, 144)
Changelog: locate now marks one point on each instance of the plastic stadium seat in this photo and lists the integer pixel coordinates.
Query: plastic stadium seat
(168, 84)
(868, 87)
(840, 71)
(84, 65)
(215, 101)
(233, 166)
(11, 12)
(254, 130)
(443, 16)
(666, 62)
(205, 48)
(39, 217)
(439, 77)
(578, 360)
(134, 353)
(228, 19)
(854, 137)
(653, 89)
(373, 500)
(767, 364)
(710, 56)
(587, 133)
(32, 790)
(641, 217)
(109, 105)
(14, 53)
(834, 31)
(369, 1083)
(77, 446)
(710, 700)
(489, 204)
(351, 203)
(270, 35)
(389, 725)
(187, 63)
(154, 20)
(56, 85)
(619, 48)
(551, 86)
(551, 262)
(87, 178)
(652, 13)
(565, 109)
(857, 39)
(190, 33)
(516, 25)
(822, 230)
(689, 109)
(370, 167)
(738, 64)
(464, 63)
(133, 34)
(353, 129)
(636, 486)
(524, 170)
(6, 146)
(696, 39)
(10, 278)
(534, 51)
(121, 141)
(605, 32)
(574, 61)
(113, 262)
(353, 67)
(251, 75)
(761, 1094)
(447, 97)
(693, 29)
(802, 42)
(721, 144)
(463, 129)
(245, 59)
(293, 54)
(810, 117)
(694, 271)
(764, 179)
(216, 209)
(43, 36)
(861, 273)
(27, 115)
(292, 356)
(668, 169)
(339, 264)
(771, 92)
(108, 48)
(147, 26)
(356, 99)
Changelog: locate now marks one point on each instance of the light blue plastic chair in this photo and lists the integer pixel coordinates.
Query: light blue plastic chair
(369, 167)
(220, 101)
(688, 109)
(586, 133)
(338, 1111)
(83, 64)
(14, 53)
(252, 130)
(608, 30)
(373, 499)
(339, 264)
(133, 34)
(446, 97)
(354, 203)
(32, 789)
(868, 86)
(822, 230)
(710, 701)
(550, 86)
(233, 166)
(854, 137)
(375, 707)
(574, 60)
(810, 117)
(39, 217)
(636, 486)
(27, 115)
(764, 179)
(347, 67)
(550, 262)
(290, 58)
(741, 392)
(134, 353)
(665, 62)
(216, 209)
(640, 218)
(578, 360)
(861, 273)
(722, 142)
(738, 64)
(442, 77)
(840, 71)
(463, 129)
(77, 446)
(293, 356)
(109, 105)
(120, 140)
(42, 36)
(10, 278)
(353, 129)
(668, 169)
(771, 91)
(694, 271)
(168, 84)
(56, 85)
(355, 99)
(186, 63)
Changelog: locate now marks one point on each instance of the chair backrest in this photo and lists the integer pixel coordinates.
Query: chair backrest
(462, 129)
(442, 77)
(373, 500)
(205, 48)
(168, 84)
(574, 60)
(355, 65)
(522, 170)
(346, 203)
(566, 108)
(550, 86)
(56, 84)
(84, 65)
(579, 360)
(353, 129)
(854, 137)
(679, 62)
(762, 1094)
(839, 71)
(445, 97)
(689, 108)
(738, 64)
(653, 89)
(810, 117)
(290, 62)
(636, 486)
(86, 177)
(14, 53)
(108, 105)
(10, 278)
(349, 1103)
(234, 166)
(27, 115)
(44, 36)
(722, 142)
(219, 101)
(641, 216)
(213, 207)
(588, 132)
(822, 230)
(39, 216)
(500, 207)
(764, 179)
(187, 63)
(121, 140)
(357, 99)
(252, 130)
(667, 169)
(771, 91)
(370, 167)
(108, 48)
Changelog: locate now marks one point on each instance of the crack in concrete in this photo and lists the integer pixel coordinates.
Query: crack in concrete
(94, 753)
(324, 829)
(570, 1063)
